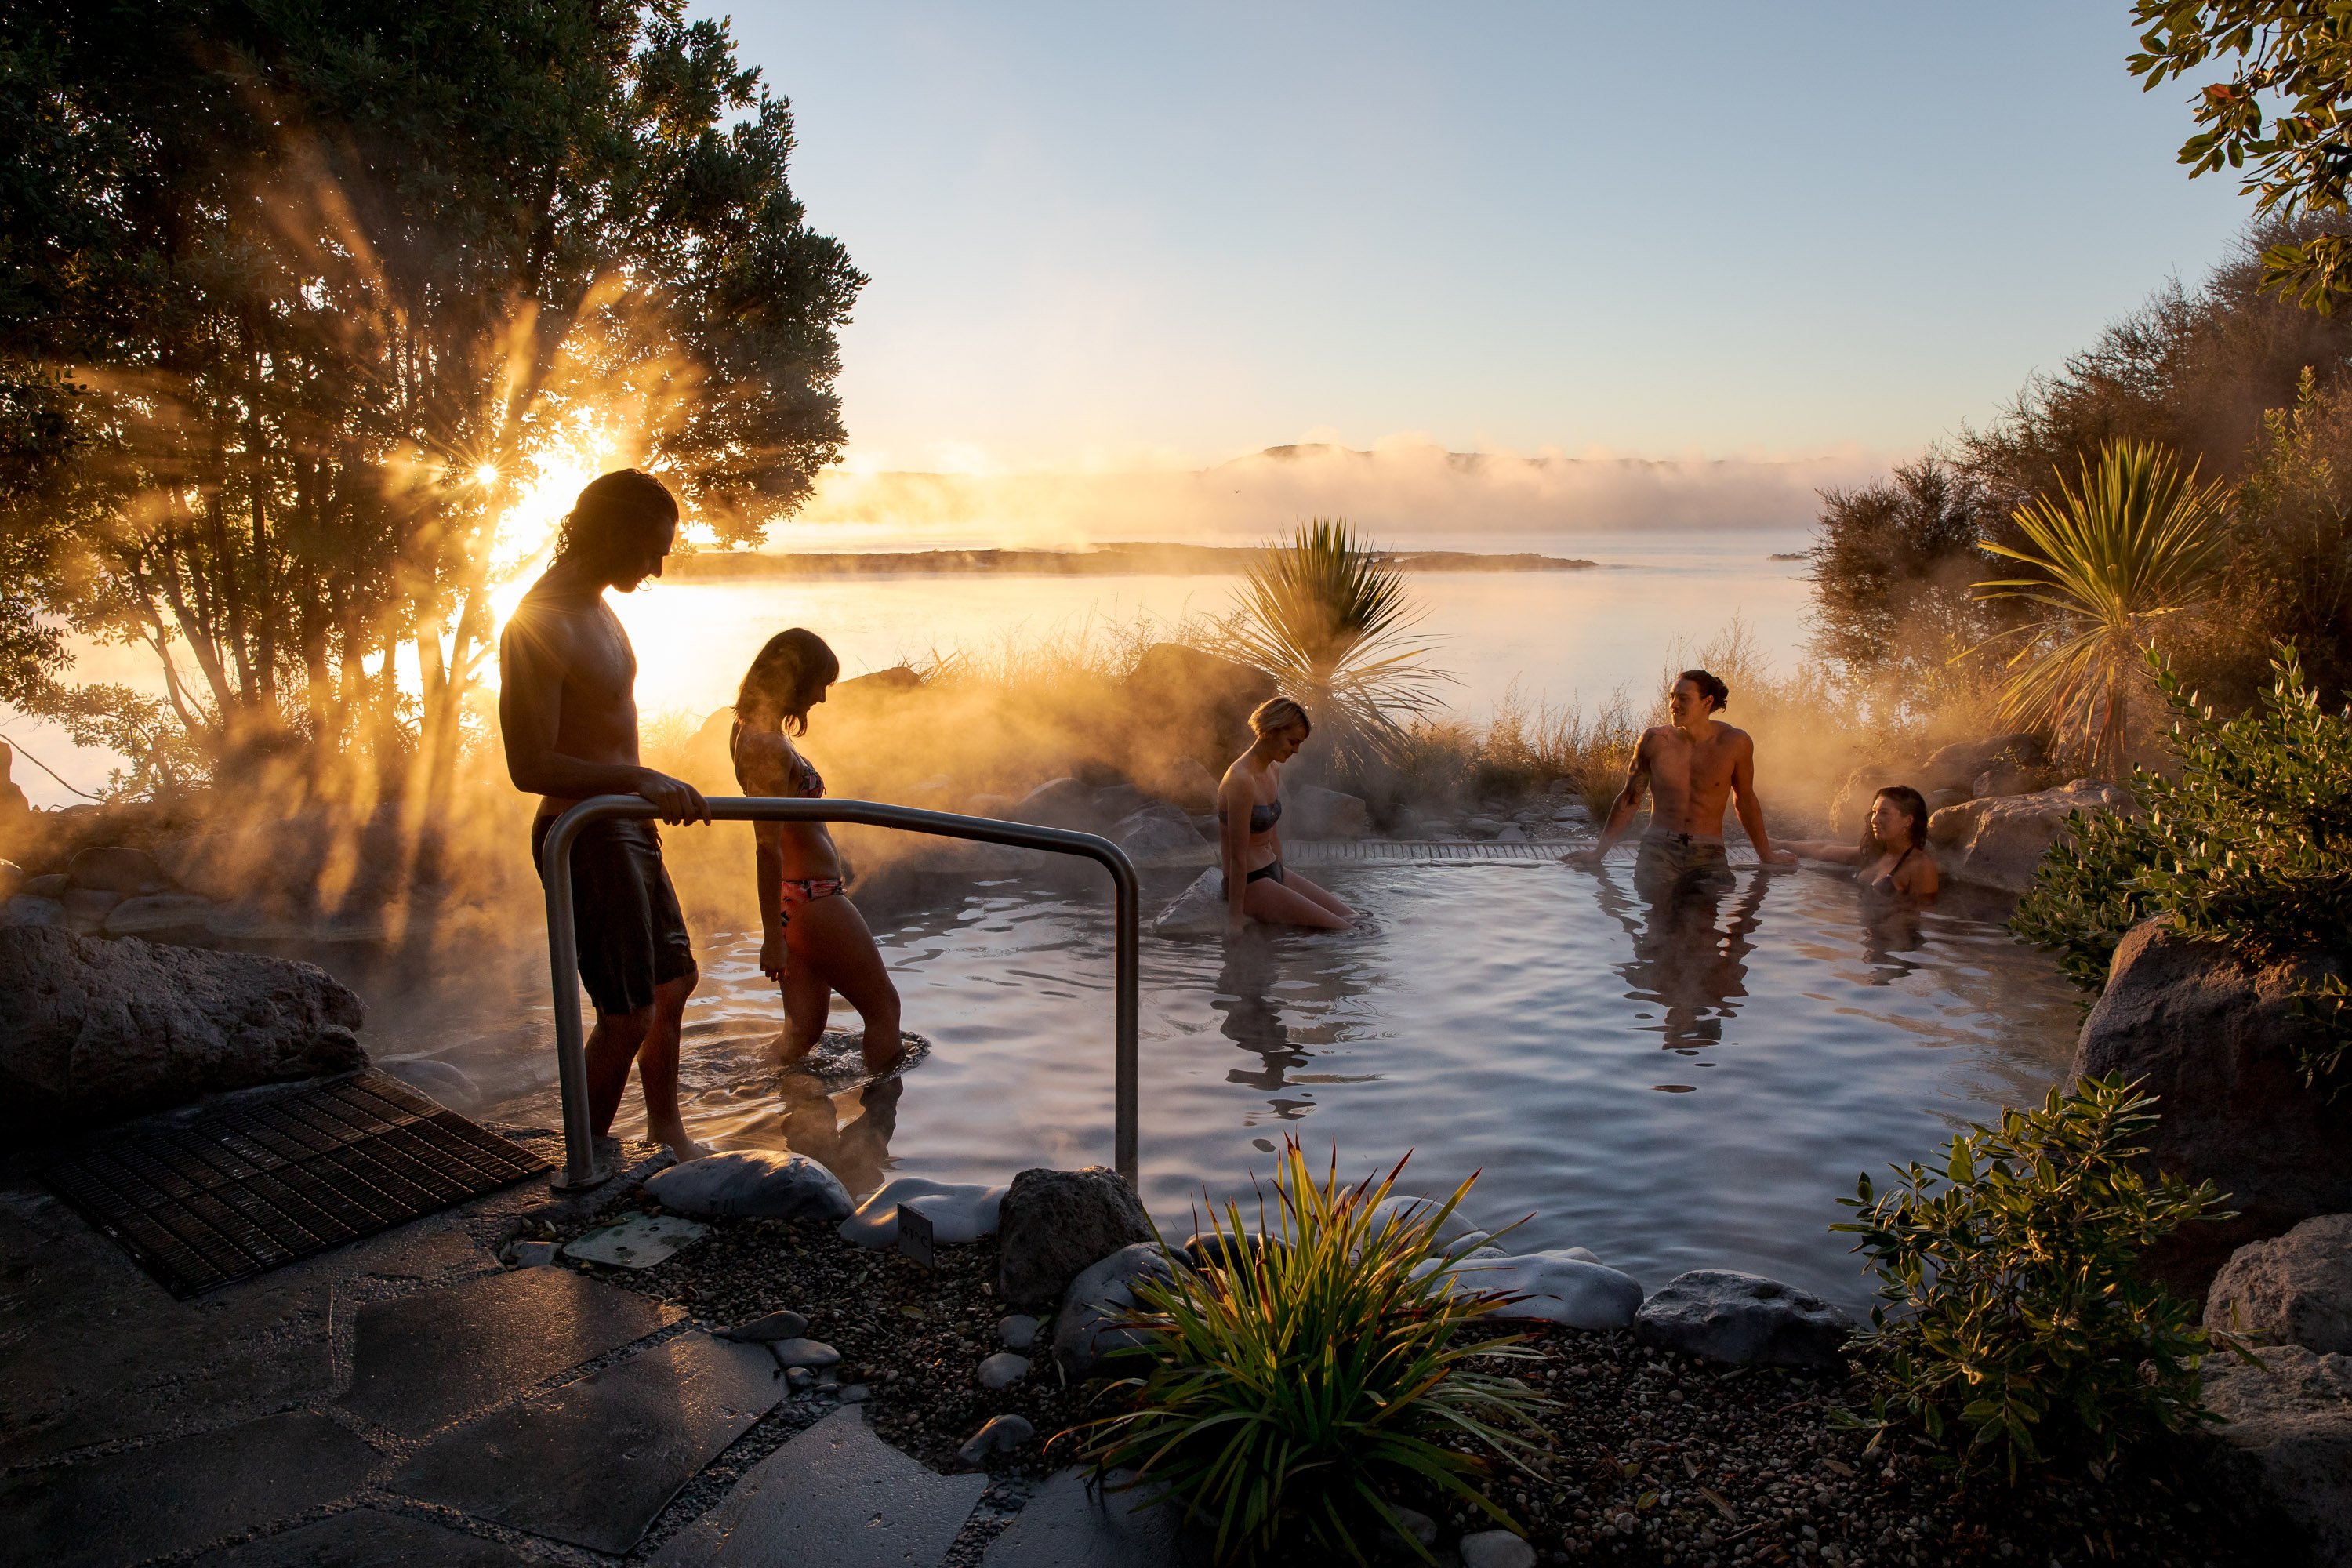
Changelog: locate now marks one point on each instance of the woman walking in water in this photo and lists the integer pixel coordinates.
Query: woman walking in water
(1249, 804)
(1893, 855)
(815, 943)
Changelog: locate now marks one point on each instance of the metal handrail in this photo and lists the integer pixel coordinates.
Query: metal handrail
(580, 1168)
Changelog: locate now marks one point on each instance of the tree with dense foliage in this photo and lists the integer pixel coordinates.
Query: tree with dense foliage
(295, 299)
(2298, 53)
(1894, 566)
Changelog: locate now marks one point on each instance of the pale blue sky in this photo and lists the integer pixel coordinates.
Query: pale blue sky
(1115, 235)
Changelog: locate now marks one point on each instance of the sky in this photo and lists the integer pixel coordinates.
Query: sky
(1120, 238)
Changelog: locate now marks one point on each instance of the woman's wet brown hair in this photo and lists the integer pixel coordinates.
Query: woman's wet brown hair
(790, 668)
(1912, 804)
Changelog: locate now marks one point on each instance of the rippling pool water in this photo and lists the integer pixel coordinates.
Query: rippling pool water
(1673, 1087)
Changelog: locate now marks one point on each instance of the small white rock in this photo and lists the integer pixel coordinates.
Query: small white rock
(1496, 1549)
(960, 1212)
(1018, 1332)
(531, 1254)
(1003, 1370)
(855, 1394)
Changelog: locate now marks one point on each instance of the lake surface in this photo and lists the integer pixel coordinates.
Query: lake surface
(1675, 1086)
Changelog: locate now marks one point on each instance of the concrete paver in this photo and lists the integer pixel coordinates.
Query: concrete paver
(181, 1493)
(1069, 1525)
(835, 1494)
(423, 1362)
(366, 1538)
(593, 1462)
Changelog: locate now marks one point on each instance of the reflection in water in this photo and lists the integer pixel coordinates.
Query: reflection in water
(848, 1134)
(1264, 973)
(1684, 961)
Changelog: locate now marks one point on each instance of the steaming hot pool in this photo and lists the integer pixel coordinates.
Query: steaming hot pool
(1675, 1086)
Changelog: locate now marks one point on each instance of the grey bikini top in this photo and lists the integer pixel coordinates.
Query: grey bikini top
(1262, 817)
(1886, 884)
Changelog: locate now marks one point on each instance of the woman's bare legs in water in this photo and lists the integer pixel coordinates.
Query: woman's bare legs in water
(1295, 901)
(832, 951)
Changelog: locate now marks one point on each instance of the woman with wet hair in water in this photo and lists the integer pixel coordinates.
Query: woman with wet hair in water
(814, 942)
(1249, 803)
(1892, 856)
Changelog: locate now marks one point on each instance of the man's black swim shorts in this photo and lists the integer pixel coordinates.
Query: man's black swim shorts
(632, 933)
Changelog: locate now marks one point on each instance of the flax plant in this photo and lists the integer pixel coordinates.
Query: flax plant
(1317, 1371)
(1331, 619)
(2136, 543)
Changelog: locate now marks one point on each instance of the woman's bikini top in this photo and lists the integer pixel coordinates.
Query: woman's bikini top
(811, 781)
(1262, 817)
(1886, 884)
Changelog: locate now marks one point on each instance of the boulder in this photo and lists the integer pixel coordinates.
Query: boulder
(1056, 1222)
(2287, 1439)
(1999, 843)
(1186, 781)
(1191, 704)
(1198, 910)
(1115, 802)
(2209, 1032)
(960, 1211)
(113, 868)
(52, 885)
(92, 1032)
(1057, 803)
(1557, 1288)
(1087, 1333)
(1955, 767)
(443, 1084)
(163, 917)
(996, 807)
(751, 1182)
(2293, 1290)
(24, 909)
(1158, 829)
(87, 908)
(1310, 811)
(1743, 1319)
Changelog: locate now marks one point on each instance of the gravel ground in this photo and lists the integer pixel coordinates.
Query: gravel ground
(1655, 1459)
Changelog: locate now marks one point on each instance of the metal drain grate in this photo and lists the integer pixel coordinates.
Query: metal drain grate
(243, 1190)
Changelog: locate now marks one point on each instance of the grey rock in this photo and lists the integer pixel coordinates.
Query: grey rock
(836, 1495)
(854, 1394)
(1053, 1223)
(92, 1032)
(2287, 1439)
(1496, 1549)
(799, 1377)
(1154, 831)
(1209, 1249)
(1743, 1319)
(1311, 812)
(999, 806)
(2293, 1289)
(1420, 1526)
(162, 917)
(25, 910)
(437, 1080)
(87, 908)
(114, 868)
(1058, 802)
(1003, 1370)
(1018, 1332)
(2210, 1033)
(1553, 1286)
(752, 1182)
(422, 1362)
(797, 1352)
(1999, 843)
(52, 885)
(1087, 1333)
(1957, 766)
(1198, 910)
(960, 1212)
(1512, 833)
(532, 1254)
(763, 1330)
(1002, 1434)
(591, 1462)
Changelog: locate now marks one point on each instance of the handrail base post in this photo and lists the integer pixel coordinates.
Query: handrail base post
(560, 1180)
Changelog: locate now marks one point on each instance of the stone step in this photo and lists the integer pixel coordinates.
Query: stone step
(1069, 1524)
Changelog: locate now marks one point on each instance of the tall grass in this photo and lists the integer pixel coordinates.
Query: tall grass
(1308, 1383)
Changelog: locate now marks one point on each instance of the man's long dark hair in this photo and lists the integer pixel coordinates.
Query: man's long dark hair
(775, 690)
(1711, 687)
(610, 506)
(1912, 804)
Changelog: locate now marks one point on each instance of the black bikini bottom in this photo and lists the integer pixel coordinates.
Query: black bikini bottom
(1272, 869)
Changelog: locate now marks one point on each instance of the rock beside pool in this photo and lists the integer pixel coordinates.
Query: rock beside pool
(30, 910)
(1311, 812)
(93, 1032)
(445, 1084)
(1999, 842)
(1086, 1335)
(1557, 1288)
(792, 1352)
(1198, 705)
(1410, 1210)
(1003, 1370)
(2293, 1289)
(2286, 1439)
(751, 1182)
(2210, 1033)
(1057, 803)
(1018, 1332)
(163, 917)
(117, 869)
(1158, 829)
(960, 1212)
(1198, 910)
(1214, 1250)
(1056, 1222)
(1001, 1435)
(1743, 1319)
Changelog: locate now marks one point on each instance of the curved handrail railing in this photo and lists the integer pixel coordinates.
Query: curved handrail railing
(580, 1168)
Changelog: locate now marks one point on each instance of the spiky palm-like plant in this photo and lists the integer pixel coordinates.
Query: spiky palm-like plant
(1331, 619)
(2135, 543)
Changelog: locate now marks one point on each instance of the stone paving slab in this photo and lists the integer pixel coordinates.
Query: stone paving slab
(1069, 1525)
(838, 1495)
(180, 1494)
(367, 1537)
(593, 1462)
(422, 1362)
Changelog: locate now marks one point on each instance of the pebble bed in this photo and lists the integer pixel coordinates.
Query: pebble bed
(1655, 1459)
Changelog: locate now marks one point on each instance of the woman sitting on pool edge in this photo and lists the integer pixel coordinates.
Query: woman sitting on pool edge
(1893, 855)
(815, 941)
(1249, 804)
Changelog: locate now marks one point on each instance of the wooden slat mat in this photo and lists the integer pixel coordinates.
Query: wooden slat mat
(248, 1188)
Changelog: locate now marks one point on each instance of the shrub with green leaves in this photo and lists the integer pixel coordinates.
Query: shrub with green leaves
(2248, 846)
(2020, 1331)
(1302, 1389)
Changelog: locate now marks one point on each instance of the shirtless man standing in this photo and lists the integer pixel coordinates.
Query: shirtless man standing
(568, 708)
(1690, 767)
